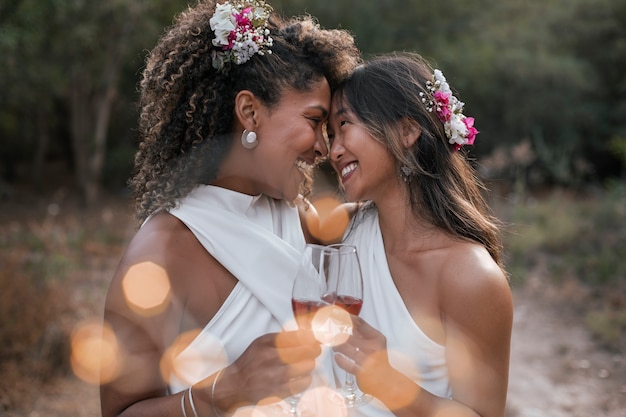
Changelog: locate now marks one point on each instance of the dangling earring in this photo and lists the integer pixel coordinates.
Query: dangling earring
(405, 173)
(249, 140)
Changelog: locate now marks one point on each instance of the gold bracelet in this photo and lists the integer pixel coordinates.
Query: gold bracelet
(217, 413)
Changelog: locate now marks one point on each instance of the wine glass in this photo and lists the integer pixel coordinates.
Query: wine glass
(345, 270)
(311, 292)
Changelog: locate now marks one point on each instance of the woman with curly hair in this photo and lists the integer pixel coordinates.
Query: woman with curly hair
(437, 311)
(234, 100)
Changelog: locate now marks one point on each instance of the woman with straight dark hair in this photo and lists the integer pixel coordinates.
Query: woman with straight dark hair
(433, 336)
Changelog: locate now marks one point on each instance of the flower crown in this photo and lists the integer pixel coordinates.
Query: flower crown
(459, 129)
(240, 29)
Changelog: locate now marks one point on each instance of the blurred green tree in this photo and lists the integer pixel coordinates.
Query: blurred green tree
(64, 63)
(551, 74)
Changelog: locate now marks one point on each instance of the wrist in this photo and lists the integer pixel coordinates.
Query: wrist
(219, 395)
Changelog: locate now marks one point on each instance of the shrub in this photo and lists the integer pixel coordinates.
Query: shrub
(35, 348)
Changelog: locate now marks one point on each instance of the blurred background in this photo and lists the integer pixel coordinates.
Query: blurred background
(545, 80)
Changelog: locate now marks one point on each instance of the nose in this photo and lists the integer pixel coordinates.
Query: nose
(336, 150)
(321, 150)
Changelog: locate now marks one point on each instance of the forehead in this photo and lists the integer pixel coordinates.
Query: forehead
(339, 106)
(317, 96)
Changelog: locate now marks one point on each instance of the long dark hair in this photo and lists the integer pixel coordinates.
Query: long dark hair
(443, 187)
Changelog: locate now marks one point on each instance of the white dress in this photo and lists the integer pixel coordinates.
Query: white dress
(410, 350)
(260, 241)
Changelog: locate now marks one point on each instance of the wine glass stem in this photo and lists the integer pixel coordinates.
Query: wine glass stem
(350, 388)
(293, 405)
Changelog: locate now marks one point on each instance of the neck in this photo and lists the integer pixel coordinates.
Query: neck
(235, 172)
(399, 226)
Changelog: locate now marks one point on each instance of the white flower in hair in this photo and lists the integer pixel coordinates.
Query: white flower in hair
(459, 129)
(456, 130)
(241, 31)
(245, 50)
(223, 24)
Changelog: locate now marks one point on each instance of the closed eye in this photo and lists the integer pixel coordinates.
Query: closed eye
(316, 121)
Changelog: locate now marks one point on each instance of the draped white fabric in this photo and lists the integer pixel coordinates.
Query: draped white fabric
(410, 350)
(260, 241)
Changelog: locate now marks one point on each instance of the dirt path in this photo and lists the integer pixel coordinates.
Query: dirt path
(556, 370)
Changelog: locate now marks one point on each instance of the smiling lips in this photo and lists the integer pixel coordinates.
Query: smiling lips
(303, 165)
(348, 169)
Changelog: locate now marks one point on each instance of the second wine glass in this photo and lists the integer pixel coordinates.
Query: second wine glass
(345, 270)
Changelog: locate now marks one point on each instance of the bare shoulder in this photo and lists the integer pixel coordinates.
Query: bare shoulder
(161, 236)
(473, 286)
(153, 252)
(166, 256)
(164, 248)
(470, 266)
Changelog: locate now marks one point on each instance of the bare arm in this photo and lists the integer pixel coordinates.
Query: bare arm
(478, 316)
(164, 250)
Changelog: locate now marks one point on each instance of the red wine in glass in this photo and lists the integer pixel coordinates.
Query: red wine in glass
(304, 310)
(351, 304)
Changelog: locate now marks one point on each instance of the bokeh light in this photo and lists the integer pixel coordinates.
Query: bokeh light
(264, 408)
(194, 364)
(332, 222)
(251, 412)
(94, 352)
(318, 401)
(147, 288)
(285, 341)
(322, 401)
(403, 394)
(331, 325)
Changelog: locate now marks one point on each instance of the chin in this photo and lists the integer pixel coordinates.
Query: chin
(350, 196)
(288, 194)
(291, 195)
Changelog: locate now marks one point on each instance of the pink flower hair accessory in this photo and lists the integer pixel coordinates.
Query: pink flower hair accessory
(459, 129)
(241, 31)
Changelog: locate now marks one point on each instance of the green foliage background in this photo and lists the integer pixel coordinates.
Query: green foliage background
(550, 74)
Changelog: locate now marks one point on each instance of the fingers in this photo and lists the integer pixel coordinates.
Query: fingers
(277, 365)
(347, 364)
(300, 384)
(297, 339)
(364, 330)
(359, 350)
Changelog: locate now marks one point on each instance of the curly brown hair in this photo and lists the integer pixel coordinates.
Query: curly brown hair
(187, 116)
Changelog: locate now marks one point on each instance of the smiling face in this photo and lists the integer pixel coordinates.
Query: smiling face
(365, 168)
(291, 139)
